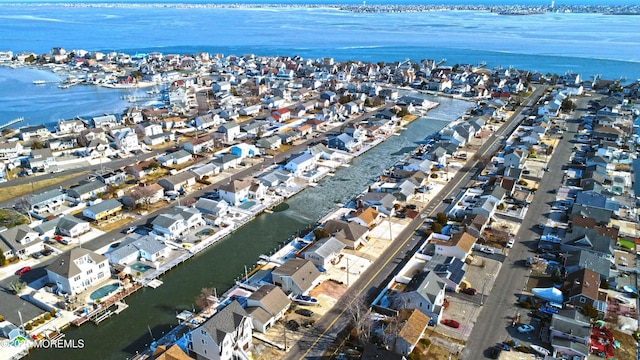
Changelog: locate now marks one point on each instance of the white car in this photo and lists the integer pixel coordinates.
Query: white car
(487, 250)
(510, 243)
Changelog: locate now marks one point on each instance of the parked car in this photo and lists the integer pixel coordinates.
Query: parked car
(47, 252)
(65, 242)
(525, 328)
(487, 250)
(452, 323)
(292, 325)
(510, 243)
(304, 312)
(411, 206)
(23, 270)
(37, 255)
(469, 291)
(130, 229)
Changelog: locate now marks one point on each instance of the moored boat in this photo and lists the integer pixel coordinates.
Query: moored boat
(540, 350)
(39, 82)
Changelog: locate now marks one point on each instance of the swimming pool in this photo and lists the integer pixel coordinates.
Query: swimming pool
(104, 291)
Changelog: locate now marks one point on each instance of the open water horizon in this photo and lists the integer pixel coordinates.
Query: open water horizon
(588, 44)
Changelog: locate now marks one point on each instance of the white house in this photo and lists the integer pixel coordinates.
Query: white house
(135, 247)
(22, 240)
(180, 220)
(78, 269)
(298, 164)
(235, 192)
(72, 226)
(224, 336)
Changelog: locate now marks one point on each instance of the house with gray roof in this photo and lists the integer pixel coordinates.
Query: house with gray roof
(72, 226)
(296, 276)
(48, 199)
(570, 333)
(41, 158)
(350, 233)
(267, 305)
(206, 170)
(136, 246)
(596, 200)
(47, 229)
(177, 222)
(226, 335)
(581, 238)
(227, 161)
(382, 202)
(102, 210)
(175, 158)
(301, 163)
(343, 142)
(449, 268)
(22, 240)
(78, 269)
(425, 292)
(87, 190)
(324, 251)
(180, 181)
(272, 142)
(212, 207)
(277, 177)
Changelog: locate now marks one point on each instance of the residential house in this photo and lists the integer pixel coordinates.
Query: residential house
(424, 292)
(243, 150)
(135, 247)
(141, 169)
(74, 126)
(174, 352)
(78, 269)
(351, 234)
(570, 334)
(474, 224)
(177, 222)
(224, 336)
(87, 190)
(207, 121)
(111, 177)
(10, 149)
(277, 177)
(143, 195)
(175, 158)
(450, 269)
(382, 202)
(343, 142)
(366, 216)
(103, 210)
(48, 200)
(296, 276)
(267, 305)
(581, 259)
(231, 131)
(105, 121)
(212, 207)
(125, 139)
(199, 145)
(301, 163)
(581, 238)
(227, 161)
(458, 245)
(235, 192)
(72, 226)
(28, 133)
(41, 158)
(271, 142)
(582, 288)
(515, 158)
(204, 171)
(21, 240)
(180, 181)
(412, 325)
(324, 251)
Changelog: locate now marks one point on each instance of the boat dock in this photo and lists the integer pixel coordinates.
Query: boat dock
(103, 311)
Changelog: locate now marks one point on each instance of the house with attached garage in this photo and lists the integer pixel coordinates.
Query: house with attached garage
(48, 200)
(72, 226)
(22, 240)
(226, 335)
(180, 181)
(266, 306)
(10, 149)
(178, 221)
(87, 190)
(212, 207)
(41, 158)
(175, 158)
(301, 163)
(231, 131)
(412, 326)
(324, 251)
(199, 145)
(78, 269)
(351, 234)
(136, 246)
(425, 292)
(296, 276)
(235, 192)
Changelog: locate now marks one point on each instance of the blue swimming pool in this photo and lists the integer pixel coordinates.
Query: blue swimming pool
(104, 291)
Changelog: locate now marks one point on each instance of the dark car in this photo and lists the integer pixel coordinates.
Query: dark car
(411, 206)
(469, 291)
(304, 312)
(37, 255)
(292, 325)
(47, 252)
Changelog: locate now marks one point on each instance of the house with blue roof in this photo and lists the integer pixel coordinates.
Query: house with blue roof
(343, 142)
(300, 163)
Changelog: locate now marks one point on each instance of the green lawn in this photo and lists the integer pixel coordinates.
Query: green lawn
(627, 244)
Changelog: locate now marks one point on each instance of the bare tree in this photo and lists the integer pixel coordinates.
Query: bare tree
(206, 298)
(360, 313)
(144, 194)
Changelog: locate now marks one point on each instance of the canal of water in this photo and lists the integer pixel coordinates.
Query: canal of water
(152, 312)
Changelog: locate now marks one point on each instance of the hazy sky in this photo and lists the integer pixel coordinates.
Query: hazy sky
(369, 2)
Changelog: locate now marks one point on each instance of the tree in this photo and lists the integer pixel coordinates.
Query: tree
(18, 286)
(436, 228)
(205, 298)
(360, 315)
(144, 195)
(567, 105)
(441, 218)
(590, 311)
(320, 233)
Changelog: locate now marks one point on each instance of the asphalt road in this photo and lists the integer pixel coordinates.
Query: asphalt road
(494, 322)
(315, 343)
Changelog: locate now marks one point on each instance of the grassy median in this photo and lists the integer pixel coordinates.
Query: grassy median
(15, 191)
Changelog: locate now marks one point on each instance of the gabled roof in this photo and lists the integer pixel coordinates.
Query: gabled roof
(427, 284)
(172, 353)
(346, 230)
(585, 282)
(368, 215)
(225, 321)
(271, 298)
(303, 272)
(68, 222)
(326, 247)
(236, 185)
(105, 205)
(413, 323)
(65, 265)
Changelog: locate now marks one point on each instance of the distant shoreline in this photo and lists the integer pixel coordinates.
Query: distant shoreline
(363, 8)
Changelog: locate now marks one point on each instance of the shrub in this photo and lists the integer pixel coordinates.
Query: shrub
(47, 316)
(53, 312)
(425, 342)
(434, 176)
(501, 206)
(28, 327)
(1, 318)
(436, 228)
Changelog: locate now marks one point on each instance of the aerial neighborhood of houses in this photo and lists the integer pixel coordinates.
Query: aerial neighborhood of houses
(291, 122)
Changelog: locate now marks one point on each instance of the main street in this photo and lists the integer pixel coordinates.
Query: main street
(315, 343)
(493, 324)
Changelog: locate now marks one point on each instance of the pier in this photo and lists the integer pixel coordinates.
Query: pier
(12, 122)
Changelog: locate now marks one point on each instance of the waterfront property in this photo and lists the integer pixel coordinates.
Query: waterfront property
(78, 269)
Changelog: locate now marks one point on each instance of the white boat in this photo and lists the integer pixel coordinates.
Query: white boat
(39, 82)
(305, 300)
(540, 350)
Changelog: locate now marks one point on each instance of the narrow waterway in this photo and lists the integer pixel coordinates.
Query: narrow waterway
(153, 311)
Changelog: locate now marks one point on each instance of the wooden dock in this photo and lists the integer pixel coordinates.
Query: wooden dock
(103, 311)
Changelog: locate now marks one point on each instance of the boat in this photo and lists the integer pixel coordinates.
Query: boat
(305, 300)
(540, 350)
(39, 82)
